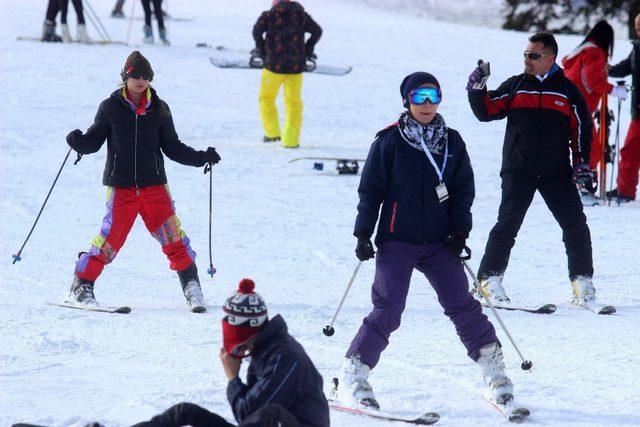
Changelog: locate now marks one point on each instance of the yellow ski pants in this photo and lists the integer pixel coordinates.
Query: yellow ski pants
(269, 88)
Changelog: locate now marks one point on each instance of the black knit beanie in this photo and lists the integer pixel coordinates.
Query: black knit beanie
(136, 66)
(415, 80)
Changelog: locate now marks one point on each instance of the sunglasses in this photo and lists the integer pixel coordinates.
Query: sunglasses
(534, 55)
(139, 75)
(422, 95)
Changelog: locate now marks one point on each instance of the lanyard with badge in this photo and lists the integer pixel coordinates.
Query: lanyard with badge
(441, 188)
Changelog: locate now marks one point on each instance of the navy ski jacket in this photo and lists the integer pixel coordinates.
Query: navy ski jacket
(135, 143)
(631, 65)
(402, 180)
(280, 372)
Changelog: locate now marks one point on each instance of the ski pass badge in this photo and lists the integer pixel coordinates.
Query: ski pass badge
(441, 191)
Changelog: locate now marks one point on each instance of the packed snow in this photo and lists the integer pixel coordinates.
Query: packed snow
(285, 225)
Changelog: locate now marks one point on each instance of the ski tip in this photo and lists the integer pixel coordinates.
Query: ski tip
(123, 310)
(427, 419)
(547, 309)
(518, 415)
(199, 309)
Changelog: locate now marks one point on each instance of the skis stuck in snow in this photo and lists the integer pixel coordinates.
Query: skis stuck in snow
(102, 309)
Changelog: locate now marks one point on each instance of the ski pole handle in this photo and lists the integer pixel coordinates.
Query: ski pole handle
(466, 254)
(526, 364)
(328, 330)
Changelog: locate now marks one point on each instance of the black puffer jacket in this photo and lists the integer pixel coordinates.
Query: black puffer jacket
(631, 65)
(135, 143)
(284, 47)
(544, 119)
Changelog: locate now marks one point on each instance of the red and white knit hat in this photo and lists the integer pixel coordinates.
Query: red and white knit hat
(244, 314)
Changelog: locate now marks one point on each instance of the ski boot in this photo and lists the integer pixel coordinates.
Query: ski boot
(164, 41)
(82, 35)
(267, 139)
(492, 286)
(49, 32)
(588, 198)
(65, 34)
(583, 290)
(354, 387)
(498, 387)
(81, 292)
(191, 288)
(117, 14)
(148, 34)
(614, 195)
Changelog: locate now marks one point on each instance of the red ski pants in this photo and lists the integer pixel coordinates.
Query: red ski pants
(156, 208)
(630, 161)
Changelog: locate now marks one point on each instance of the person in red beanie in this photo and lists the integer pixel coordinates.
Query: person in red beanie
(283, 387)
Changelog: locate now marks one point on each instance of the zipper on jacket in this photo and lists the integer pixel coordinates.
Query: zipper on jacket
(113, 169)
(155, 158)
(135, 154)
(392, 226)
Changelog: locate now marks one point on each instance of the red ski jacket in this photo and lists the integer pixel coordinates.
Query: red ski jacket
(586, 67)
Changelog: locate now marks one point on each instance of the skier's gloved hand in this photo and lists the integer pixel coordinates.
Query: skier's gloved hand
(456, 242)
(582, 176)
(257, 52)
(619, 91)
(364, 249)
(474, 77)
(211, 156)
(73, 139)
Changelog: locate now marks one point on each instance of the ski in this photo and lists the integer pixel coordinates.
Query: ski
(198, 309)
(424, 419)
(596, 308)
(119, 310)
(95, 42)
(511, 412)
(544, 309)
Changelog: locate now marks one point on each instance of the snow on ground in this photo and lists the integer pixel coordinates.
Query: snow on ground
(285, 225)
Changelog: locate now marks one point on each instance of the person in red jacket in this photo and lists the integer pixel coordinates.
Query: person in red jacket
(586, 67)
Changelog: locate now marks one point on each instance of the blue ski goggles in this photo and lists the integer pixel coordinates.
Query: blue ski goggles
(422, 95)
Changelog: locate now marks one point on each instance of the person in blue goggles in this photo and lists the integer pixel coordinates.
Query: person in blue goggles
(419, 171)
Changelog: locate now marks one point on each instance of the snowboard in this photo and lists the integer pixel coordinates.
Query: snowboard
(244, 64)
(102, 309)
(95, 42)
(344, 166)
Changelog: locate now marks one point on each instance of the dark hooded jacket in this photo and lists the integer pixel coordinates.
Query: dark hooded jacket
(631, 65)
(135, 143)
(280, 372)
(284, 46)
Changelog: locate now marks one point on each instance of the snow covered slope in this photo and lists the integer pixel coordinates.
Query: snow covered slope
(285, 225)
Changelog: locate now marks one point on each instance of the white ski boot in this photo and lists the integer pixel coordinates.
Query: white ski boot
(164, 41)
(82, 35)
(81, 293)
(191, 288)
(65, 34)
(583, 291)
(492, 286)
(354, 389)
(498, 387)
(148, 34)
(588, 198)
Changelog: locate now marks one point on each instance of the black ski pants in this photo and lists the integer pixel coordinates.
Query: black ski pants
(562, 199)
(191, 414)
(55, 6)
(157, 10)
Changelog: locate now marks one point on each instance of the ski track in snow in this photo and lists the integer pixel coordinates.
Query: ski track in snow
(285, 225)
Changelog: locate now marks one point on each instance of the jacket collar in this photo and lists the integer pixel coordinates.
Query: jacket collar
(272, 331)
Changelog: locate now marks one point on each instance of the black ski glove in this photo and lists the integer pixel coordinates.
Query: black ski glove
(364, 249)
(73, 139)
(257, 53)
(211, 156)
(456, 242)
(582, 177)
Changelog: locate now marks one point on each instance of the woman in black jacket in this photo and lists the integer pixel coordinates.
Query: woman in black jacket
(138, 128)
(418, 169)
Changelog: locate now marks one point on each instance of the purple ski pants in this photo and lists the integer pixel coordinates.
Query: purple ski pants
(395, 262)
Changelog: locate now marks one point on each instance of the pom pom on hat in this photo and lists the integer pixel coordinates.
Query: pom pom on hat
(246, 286)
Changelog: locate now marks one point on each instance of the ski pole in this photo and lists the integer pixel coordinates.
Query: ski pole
(207, 169)
(616, 142)
(133, 8)
(17, 257)
(102, 30)
(526, 364)
(328, 330)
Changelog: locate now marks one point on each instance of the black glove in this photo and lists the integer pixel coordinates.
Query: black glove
(364, 249)
(72, 138)
(257, 52)
(582, 176)
(211, 156)
(312, 57)
(456, 242)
